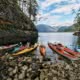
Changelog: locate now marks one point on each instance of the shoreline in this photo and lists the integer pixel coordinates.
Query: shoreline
(31, 68)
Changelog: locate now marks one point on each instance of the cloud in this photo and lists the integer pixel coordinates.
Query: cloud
(66, 23)
(66, 9)
(47, 3)
(47, 18)
(58, 16)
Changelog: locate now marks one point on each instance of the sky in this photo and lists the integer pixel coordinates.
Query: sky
(57, 12)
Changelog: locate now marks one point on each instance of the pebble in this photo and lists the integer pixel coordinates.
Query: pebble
(11, 73)
(21, 76)
(67, 67)
(9, 79)
(54, 78)
(39, 69)
(15, 79)
(24, 67)
(14, 71)
(10, 69)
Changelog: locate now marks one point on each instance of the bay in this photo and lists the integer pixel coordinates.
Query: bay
(66, 38)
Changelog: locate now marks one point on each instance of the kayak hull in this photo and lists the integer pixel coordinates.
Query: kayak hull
(63, 53)
(26, 50)
(42, 50)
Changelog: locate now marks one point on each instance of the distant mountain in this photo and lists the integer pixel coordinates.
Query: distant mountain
(65, 29)
(45, 28)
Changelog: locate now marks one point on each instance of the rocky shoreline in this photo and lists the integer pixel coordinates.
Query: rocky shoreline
(32, 68)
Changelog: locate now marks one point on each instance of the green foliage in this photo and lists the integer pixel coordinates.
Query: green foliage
(7, 26)
(31, 7)
(69, 29)
(77, 21)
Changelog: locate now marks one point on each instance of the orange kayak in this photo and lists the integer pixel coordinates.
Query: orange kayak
(42, 50)
(62, 52)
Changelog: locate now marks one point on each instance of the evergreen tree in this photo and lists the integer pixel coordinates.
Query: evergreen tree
(31, 7)
(77, 21)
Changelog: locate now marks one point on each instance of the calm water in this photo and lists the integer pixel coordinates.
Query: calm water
(66, 38)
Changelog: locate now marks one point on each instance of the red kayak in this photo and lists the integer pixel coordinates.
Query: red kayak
(42, 50)
(8, 46)
(62, 52)
(69, 50)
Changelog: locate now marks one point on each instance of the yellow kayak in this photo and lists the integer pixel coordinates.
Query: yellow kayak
(26, 50)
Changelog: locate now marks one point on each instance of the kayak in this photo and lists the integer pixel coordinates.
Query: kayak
(18, 48)
(60, 50)
(68, 50)
(8, 46)
(26, 50)
(42, 50)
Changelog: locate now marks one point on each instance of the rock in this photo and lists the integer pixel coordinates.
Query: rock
(27, 75)
(50, 74)
(42, 76)
(15, 79)
(30, 69)
(67, 67)
(10, 69)
(54, 71)
(16, 75)
(11, 73)
(54, 78)
(29, 59)
(46, 79)
(36, 78)
(12, 63)
(21, 76)
(28, 79)
(11, 58)
(19, 64)
(9, 79)
(24, 67)
(75, 65)
(14, 71)
(20, 29)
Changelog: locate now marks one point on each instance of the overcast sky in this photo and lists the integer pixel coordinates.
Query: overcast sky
(57, 12)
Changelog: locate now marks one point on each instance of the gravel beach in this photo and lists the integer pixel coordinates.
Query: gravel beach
(32, 68)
